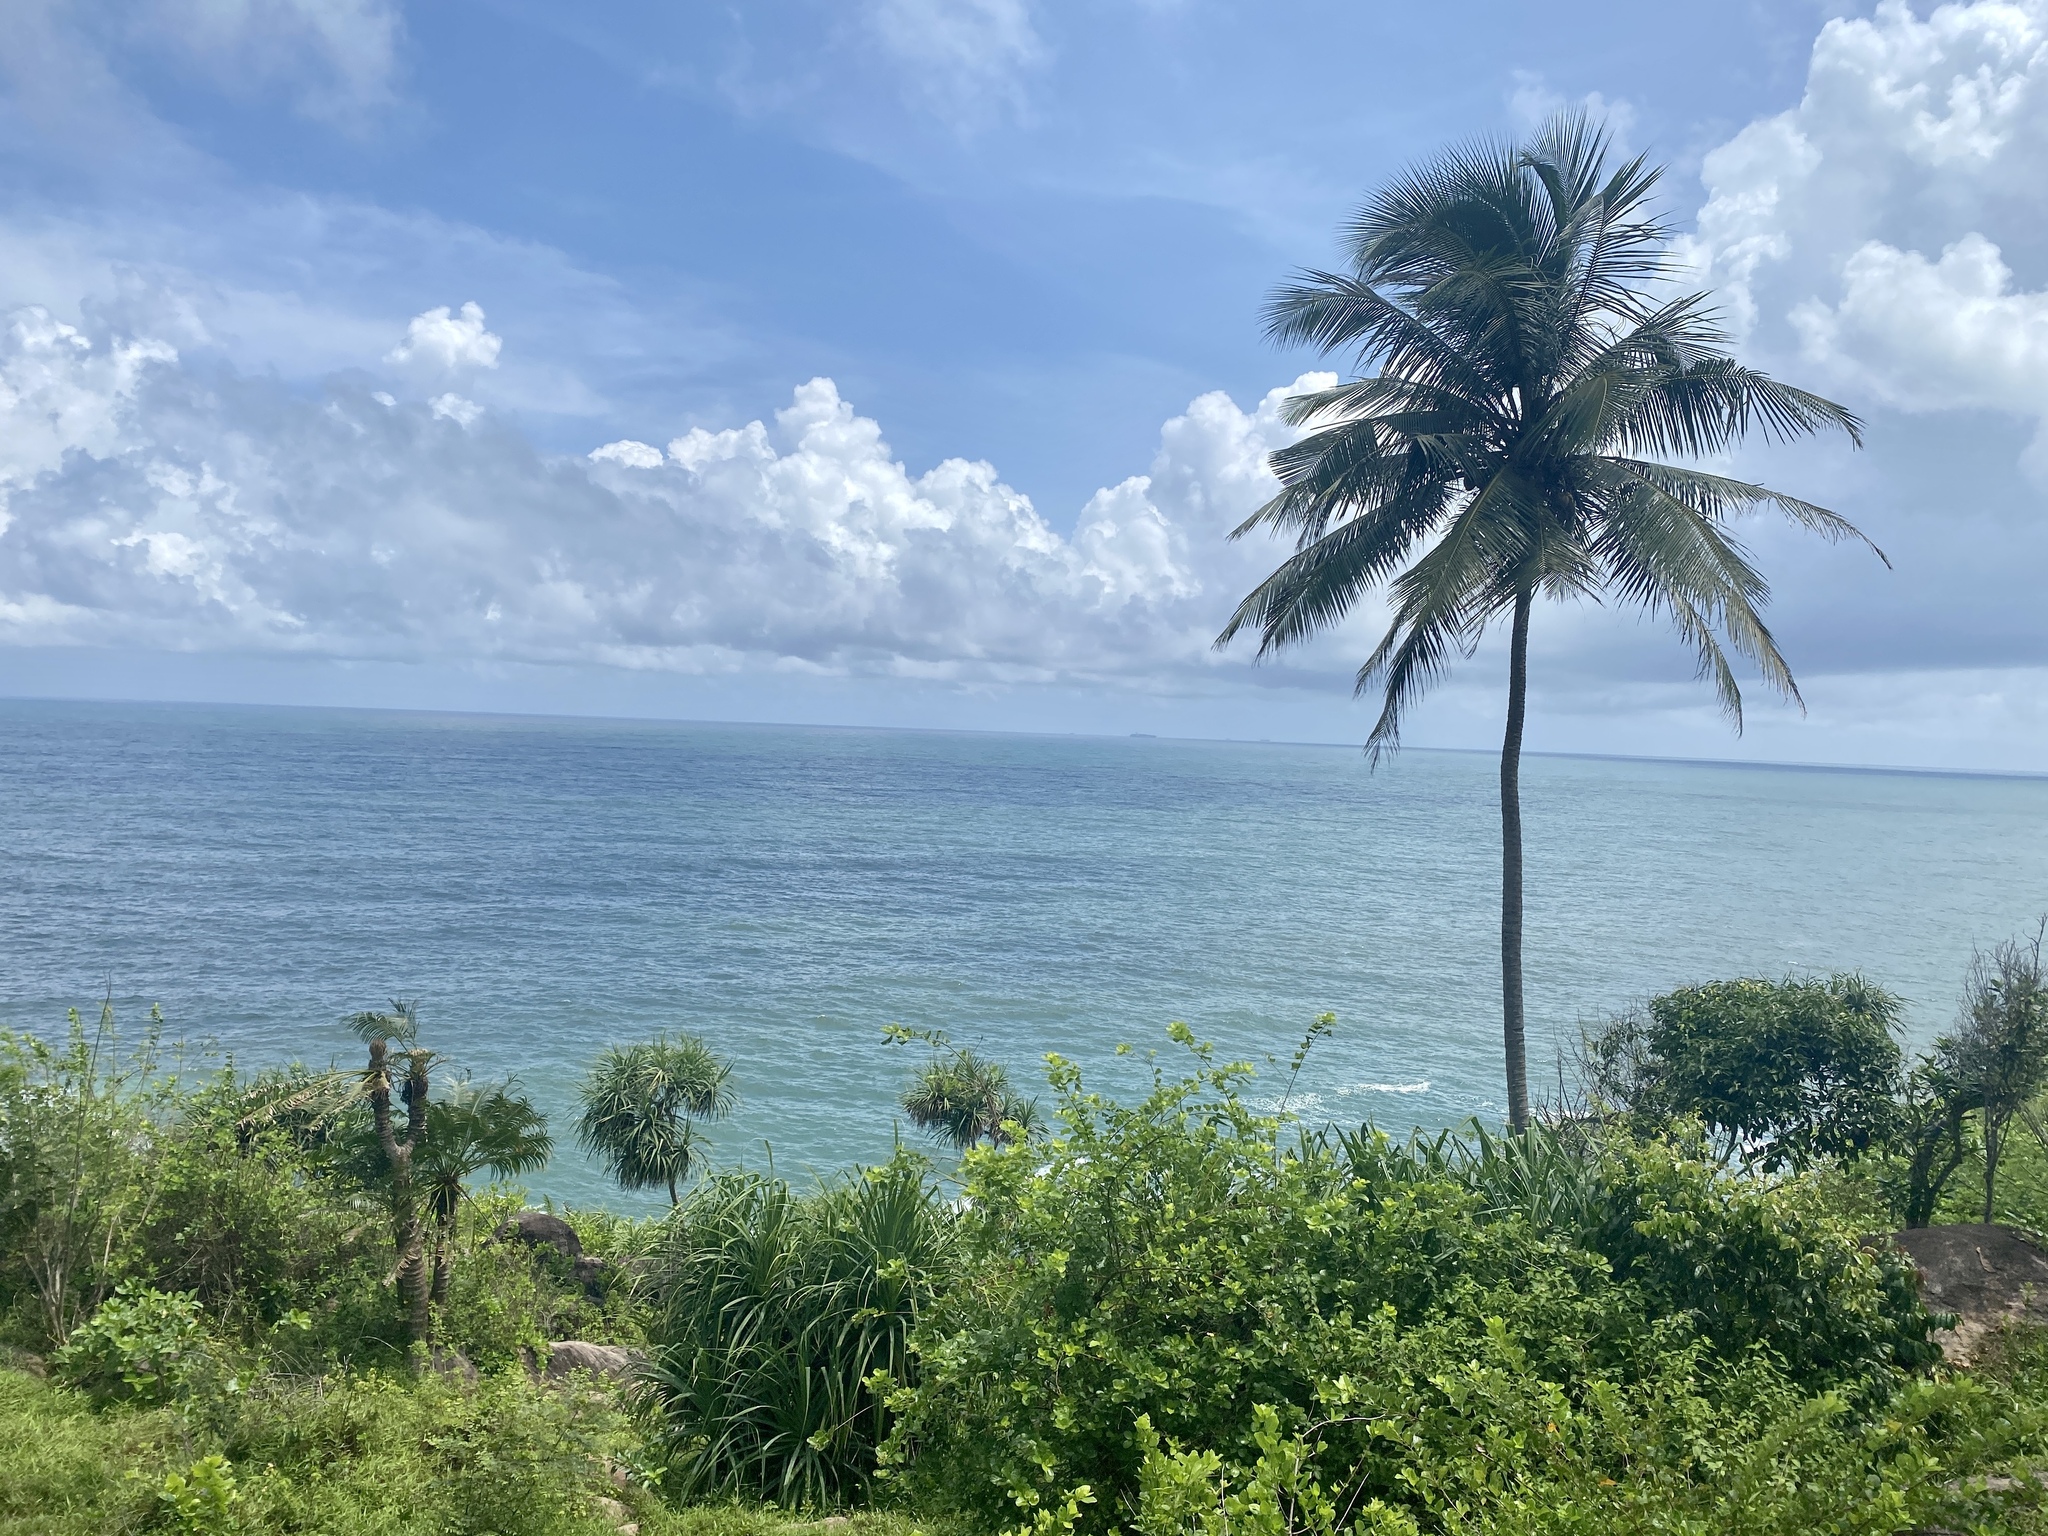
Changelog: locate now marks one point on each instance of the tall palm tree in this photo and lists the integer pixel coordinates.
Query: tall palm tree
(640, 1108)
(1526, 377)
(472, 1130)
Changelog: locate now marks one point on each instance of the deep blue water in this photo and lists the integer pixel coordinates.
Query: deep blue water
(546, 886)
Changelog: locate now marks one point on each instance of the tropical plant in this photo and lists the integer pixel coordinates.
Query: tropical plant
(1188, 1258)
(73, 1193)
(961, 1097)
(1527, 379)
(1787, 1073)
(774, 1314)
(471, 1130)
(397, 1153)
(641, 1107)
(1997, 1059)
(141, 1344)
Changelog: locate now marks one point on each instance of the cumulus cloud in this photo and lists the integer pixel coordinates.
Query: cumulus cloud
(448, 341)
(149, 503)
(1866, 228)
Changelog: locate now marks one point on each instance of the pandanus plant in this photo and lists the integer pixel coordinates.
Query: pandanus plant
(642, 1105)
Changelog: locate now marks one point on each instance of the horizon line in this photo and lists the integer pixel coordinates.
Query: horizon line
(967, 730)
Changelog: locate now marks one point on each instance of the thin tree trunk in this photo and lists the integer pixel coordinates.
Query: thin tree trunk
(1994, 1143)
(1511, 1011)
(444, 1264)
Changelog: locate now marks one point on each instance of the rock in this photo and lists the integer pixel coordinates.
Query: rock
(1988, 1276)
(453, 1364)
(611, 1509)
(542, 1229)
(589, 1273)
(609, 1360)
(835, 1523)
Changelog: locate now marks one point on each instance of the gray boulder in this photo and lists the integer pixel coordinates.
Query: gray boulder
(1989, 1276)
(542, 1229)
(606, 1360)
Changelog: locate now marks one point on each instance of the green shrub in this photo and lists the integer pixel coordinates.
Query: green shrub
(202, 1498)
(350, 1456)
(1174, 1260)
(1788, 1073)
(142, 1344)
(773, 1313)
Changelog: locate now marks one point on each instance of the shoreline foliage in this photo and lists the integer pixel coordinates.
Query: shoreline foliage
(1178, 1315)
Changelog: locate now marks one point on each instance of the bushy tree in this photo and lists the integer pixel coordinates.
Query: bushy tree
(73, 1190)
(1534, 397)
(642, 1105)
(1992, 1064)
(1785, 1072)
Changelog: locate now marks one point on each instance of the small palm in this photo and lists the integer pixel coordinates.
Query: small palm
(641, 1107)
(475, 1130)
(965, 1099)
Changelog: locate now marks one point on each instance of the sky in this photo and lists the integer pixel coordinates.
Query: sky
(898, 362)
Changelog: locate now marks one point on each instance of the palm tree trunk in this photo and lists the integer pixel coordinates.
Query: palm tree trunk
(1511, 1013)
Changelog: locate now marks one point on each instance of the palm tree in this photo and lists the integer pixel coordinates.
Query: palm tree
(472, 1130)
(389, 1157)
(640, 1105)
(966, 1099)
(1525, 378)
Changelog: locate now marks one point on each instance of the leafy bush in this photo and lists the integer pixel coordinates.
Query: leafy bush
(1173, 1260)
(141, 1344)
(202, 1498)
(773, 1313)
(1788, 1072)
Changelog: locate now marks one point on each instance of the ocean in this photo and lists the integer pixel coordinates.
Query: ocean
(545, 886)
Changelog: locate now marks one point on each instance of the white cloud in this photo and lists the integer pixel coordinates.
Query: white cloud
(964, 57)
(447, 341)
(453, 407)
(1944, 333)
(1533, 103)
(1901, 175)
(338, 57)
(151, 505)
(625, 451)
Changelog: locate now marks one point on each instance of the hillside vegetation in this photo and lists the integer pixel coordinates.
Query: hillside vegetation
(1187, 1314)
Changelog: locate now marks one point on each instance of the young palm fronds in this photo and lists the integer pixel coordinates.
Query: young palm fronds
(641, 1107)
(773, 1313)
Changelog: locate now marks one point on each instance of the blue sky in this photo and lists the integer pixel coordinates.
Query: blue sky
(321, 307)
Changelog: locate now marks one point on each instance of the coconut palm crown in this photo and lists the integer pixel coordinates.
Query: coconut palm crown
(1529, 379)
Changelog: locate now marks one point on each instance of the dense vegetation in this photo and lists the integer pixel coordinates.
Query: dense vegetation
(1656, 1310)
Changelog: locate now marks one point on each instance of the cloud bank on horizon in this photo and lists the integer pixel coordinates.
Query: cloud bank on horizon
(203, 458)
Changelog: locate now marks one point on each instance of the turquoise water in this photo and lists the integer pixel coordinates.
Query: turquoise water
(546, 886)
